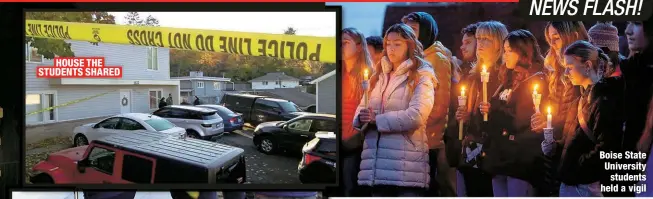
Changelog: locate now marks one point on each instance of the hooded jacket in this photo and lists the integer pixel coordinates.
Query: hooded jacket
(440, 59)
(395, 153)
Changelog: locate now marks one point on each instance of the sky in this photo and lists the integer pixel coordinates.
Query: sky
(306, 23)
(366, 17)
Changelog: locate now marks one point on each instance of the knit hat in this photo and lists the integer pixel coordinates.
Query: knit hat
(604, 34)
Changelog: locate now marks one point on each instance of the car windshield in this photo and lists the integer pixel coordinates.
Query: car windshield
(290, 107)
(160, 124)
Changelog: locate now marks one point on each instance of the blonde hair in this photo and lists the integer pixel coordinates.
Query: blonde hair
(496, 32)
(363, 60)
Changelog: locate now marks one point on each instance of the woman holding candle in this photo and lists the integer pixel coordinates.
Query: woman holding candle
(356, 61)
(395, 159)
(514, 155)
(489, 37)
(599, 122)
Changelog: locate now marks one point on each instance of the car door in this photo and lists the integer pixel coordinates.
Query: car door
(298, 132)
(261, 111)
(104, 128)
(137, 169)
(101, 168)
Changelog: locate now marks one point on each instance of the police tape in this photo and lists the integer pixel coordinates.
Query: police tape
(292, 47)
(69, 103)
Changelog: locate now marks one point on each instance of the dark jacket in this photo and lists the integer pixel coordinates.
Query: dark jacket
(196, 102)
(637, 72)
(602, 108)
(512, 149)
(162, 103)
(109, 195)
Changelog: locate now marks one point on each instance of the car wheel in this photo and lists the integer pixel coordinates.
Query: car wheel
(80, 140)
(266, 145)
(193, 134)
(42, 179)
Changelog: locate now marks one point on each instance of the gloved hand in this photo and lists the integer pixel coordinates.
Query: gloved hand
(547, 147)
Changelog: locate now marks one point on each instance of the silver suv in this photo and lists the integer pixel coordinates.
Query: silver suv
(200, 123)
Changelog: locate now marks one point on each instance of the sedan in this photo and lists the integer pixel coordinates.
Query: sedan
(232, 121)
(123, 123)
(270, 137)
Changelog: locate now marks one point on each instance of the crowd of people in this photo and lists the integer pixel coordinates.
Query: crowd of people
(418, 121)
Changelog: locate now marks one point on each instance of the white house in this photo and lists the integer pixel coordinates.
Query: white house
(274, 80)
(325, 90)
(146, 79)
(209, 89)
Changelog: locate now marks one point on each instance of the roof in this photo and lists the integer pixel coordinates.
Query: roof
(245, 95)
(219, 79)
(323, 77)
(295, 95)
(274, 77)
(192, 151)
(138, 116)
(192, 108)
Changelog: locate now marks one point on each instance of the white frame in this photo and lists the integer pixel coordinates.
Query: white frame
(131, 98)
(199, 84)
(28, 54)
(56, 103)
(154, 65)
(157, 99)
(217, 88)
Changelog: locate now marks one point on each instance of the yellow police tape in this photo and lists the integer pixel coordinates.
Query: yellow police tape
(294, 47)
(69, 103)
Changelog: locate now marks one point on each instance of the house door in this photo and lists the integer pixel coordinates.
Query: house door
(125, 101)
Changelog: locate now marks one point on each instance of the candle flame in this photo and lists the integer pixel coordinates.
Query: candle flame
(484, 69)
(462, 90)
(548, 109)
(535, 87)
(365, 73)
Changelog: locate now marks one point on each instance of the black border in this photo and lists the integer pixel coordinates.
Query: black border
(12, 15)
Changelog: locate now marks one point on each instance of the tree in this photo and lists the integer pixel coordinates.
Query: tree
(51, 47)
(290, 31)
(133, 18)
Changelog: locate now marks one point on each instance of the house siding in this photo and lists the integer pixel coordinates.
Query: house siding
(326, 95)
(133, 59)
(258, 85)
(209, 90)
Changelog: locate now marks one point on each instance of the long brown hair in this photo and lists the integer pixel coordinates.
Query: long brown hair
(414, 52)
(569, 31)
(496, 32)
(525, 45)
(363, 61)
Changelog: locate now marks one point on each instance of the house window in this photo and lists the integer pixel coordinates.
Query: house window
(155, 96)
(200, 84)
(217, 86)
(277, 82)
(31, 54)
(35, 105)
(265, 83)
(152, 58)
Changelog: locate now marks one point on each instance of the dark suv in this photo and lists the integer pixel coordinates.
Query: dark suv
(143, 158)
(318, 164)
(258, 109)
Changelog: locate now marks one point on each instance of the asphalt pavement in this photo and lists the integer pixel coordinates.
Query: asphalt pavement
(261, 168)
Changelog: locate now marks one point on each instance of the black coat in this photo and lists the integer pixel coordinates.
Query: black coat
(637, 72)
(512, 149)
(602, 108)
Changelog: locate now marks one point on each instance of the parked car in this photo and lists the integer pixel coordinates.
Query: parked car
(270, 137)
(258, 109)
(318, 163)
(200, 123)
(123, 123)
(143, 158)
(232, 121)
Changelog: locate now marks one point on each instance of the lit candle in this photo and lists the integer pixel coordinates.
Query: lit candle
(485, 77)
(548, 117)
(462, 101)
(536, 98)
(365, 74)
(535, 90)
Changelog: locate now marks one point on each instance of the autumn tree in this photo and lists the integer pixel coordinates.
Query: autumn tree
(51, 47)
(133, 18)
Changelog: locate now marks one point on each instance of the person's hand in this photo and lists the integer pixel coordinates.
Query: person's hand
(485, 107)
(537, 122)
(462, 114)
(366, 116)
(547, 147)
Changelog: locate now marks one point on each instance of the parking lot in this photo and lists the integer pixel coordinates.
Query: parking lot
(261, 168)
